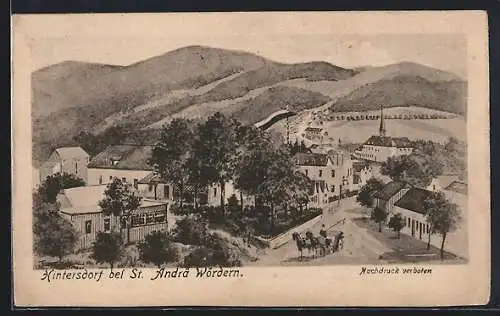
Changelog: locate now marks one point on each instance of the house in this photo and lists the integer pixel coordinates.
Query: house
(126, 162)
(330, 173)
(362, 173)
(80, 206)
(379, 148)
(441, 182)
(389, 195)
(72, 160)
(214, 195)
(312, 132)
(413, 212)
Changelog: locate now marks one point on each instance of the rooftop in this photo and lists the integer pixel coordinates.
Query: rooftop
(413, 200)
(311, 159)
(386, 141)
(390, 189)
(313, 129)
(445, 180)
(458, 187)
(126, 157)
(85, 200)
(69, 153)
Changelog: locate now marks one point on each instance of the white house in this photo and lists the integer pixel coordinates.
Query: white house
(380, 147)
(362, 173)
(126, 162)
(331, 174)
(413, 212)
(214, 195)
(72, 160)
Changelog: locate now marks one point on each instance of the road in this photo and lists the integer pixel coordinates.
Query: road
(359, 246)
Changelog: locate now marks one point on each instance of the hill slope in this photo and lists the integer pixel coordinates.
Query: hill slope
(405, 90)
(196, 81)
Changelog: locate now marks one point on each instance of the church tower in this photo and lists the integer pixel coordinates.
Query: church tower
(381, 130)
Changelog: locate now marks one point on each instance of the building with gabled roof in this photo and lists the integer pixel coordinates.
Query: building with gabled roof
(80, 206)
(71, 160)
(390, 194)
(130, 163)
(379, 148)
(331, 175)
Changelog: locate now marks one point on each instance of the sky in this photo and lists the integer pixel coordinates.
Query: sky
(343, 39)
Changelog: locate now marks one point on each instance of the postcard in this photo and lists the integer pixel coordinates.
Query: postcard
(251, 159)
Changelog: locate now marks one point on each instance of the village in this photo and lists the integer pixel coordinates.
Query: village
(185, 201)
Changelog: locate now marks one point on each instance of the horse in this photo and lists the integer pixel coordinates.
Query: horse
(300, 242)
(318, 244)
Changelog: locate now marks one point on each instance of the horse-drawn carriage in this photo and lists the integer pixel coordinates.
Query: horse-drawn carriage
(323, 244)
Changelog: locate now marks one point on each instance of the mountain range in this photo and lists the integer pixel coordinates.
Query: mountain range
(196, 81)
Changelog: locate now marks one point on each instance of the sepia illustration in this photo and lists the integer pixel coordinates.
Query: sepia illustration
(349, 149)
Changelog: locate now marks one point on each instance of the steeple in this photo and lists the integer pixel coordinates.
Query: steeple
(382, 124)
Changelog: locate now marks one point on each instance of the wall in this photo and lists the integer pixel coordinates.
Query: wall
(51, 166)
(130, 175)
(78, 221)
(287, 236)
(76, 166)
(148, 191)
(214, 195)
(416, 220)
(342, 168)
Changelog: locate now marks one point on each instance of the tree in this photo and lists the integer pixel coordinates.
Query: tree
(216, 150)
(53, 184)
(53, 235)
(365, 195)
(107, 248)
(396, 223)
(443, 217)
(171, 155)
(157, 249)
(119, 201)
(417, 169)
(379, 215)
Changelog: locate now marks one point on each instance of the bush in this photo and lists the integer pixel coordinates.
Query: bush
(191, 230)
(216, 252)
(107, 248)
(157, 249)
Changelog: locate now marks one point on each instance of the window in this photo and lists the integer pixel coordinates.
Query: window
(166, 192)
(88, 227)
(107, 224)
(307, 172)
(333, 173)
(100, 179)
(409, 222)
(150, 187)
(333, 187)
(215, 192)
(136, 185)
(320, 173)
(138, 219)
(76, 167)
(160, 217)
(150, 218)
